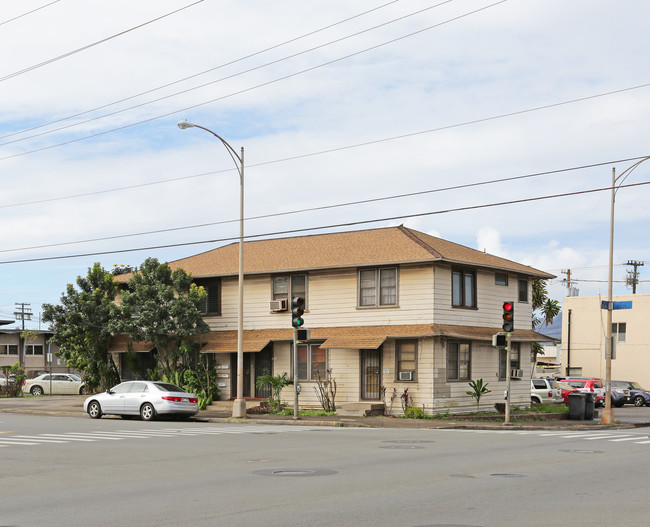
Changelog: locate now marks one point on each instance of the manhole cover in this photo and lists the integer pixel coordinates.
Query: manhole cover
(508, 475)
(402, 447)
(295, 472)
(574, 451)
(408, 441)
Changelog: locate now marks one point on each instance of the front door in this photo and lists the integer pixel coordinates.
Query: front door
(371, 374)
(249, 362)
(263, 366)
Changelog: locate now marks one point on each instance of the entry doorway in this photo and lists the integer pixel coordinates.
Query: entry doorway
(371, 375)
(255, 365)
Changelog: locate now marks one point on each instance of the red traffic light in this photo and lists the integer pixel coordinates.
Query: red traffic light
(508, 316)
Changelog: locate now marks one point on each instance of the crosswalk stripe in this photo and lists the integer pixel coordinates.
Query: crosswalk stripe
(632, 438)
(70, 438)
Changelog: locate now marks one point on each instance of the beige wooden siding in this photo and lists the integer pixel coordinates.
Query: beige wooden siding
(331, 302)
(489, 301)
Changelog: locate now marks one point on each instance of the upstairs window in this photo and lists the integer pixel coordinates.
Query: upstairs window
(463, 288)
(8, 349)
(34, 349)
(378, 287)
(501, 279)
(211, 305)
(288, 286)
(523, 290)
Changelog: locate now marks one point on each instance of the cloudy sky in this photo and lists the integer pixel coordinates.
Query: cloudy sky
(429, 114)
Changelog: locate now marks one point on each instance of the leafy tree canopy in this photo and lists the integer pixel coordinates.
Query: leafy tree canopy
(81, 326)
(161, 306)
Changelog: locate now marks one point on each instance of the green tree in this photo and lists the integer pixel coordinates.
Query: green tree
(161, 306)
(544, 311)
(80, 324)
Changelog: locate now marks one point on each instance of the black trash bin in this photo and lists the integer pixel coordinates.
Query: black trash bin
(590, 405)
(577, 405)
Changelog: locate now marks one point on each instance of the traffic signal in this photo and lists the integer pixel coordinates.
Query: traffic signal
(499, 340)
(297, 310)
(508, 317)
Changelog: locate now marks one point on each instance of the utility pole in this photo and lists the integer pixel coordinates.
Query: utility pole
(23, 312)
(633, 276)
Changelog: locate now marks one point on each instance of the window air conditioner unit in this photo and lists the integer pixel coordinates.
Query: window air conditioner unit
(279, 305)
(516, 374)
(406, 376)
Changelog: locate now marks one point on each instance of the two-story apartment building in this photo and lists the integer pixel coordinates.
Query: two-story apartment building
(31, 353)
(388, 309)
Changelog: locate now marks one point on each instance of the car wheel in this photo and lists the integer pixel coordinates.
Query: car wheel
(639, 401)
(147, 412)
(84, 390)
(94, 410)
(36, 390)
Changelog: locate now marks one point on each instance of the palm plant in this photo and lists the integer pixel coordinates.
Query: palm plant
(479, 389)
(277, 383)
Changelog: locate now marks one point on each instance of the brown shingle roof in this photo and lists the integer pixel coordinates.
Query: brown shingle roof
(390, 245)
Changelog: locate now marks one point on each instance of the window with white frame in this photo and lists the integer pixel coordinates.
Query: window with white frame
(459, 359)
(463, 288)
(288, 286)
(312, 362)
(34, 349)
(619, 330)
(378, 287)
(406, 352)
(8, 349)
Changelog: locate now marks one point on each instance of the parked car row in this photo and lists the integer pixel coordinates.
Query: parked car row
(556, 391)
(55, 384)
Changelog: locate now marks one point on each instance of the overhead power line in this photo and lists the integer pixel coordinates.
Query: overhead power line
(297, 211)
(88, 46)
(323, 227)
(295, 39)
(28, 13)
(245, 90)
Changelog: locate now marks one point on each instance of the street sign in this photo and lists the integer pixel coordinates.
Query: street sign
(616, 305)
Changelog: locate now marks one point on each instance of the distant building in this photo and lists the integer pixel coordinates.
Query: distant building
(584, 331)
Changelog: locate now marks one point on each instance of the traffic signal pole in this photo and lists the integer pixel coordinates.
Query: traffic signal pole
(508, 344)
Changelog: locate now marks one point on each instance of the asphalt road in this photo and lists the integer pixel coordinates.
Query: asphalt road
(66, 471)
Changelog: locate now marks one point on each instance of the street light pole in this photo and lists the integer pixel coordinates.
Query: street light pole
(239, 405)
(608, 412)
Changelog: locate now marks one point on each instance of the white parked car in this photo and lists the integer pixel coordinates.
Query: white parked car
(55, 384)
(545, 391)
(144, 398)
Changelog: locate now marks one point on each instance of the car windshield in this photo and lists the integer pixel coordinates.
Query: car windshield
(637, 386)
(168, 387)
(565, 386)
(75, 376)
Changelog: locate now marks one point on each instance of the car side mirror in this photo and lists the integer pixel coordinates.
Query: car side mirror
(109, 391)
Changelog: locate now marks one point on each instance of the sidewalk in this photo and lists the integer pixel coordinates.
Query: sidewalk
(72, 406)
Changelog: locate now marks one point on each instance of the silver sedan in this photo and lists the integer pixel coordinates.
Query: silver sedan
(147, 399)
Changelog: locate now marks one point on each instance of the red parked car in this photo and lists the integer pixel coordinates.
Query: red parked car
(585, 385)
(566, 390)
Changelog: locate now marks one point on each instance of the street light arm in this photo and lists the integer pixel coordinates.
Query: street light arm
(238, 160)
(628, 171)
